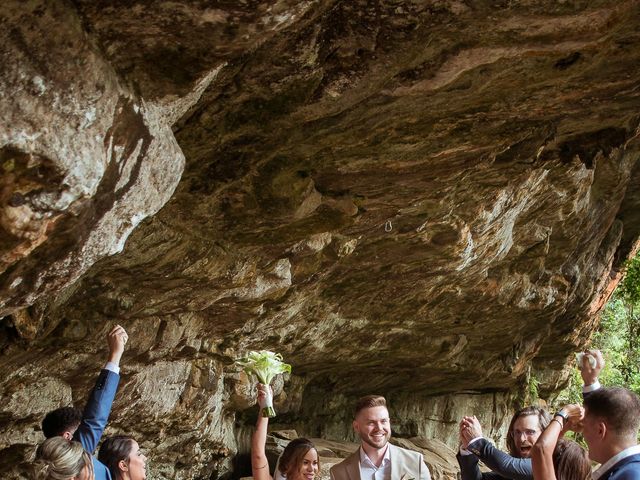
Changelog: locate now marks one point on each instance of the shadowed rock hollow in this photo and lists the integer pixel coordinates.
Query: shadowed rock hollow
(430, 200)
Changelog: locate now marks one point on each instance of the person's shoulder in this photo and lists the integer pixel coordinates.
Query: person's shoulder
(629, 471)
(405, 451)
(100, 470)
(345, 461)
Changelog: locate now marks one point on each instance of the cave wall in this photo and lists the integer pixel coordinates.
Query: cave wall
(429, 200)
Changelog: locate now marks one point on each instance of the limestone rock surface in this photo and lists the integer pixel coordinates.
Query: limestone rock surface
(428, 200)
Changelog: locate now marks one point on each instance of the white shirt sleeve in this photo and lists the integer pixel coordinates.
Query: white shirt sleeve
(112, 367)
(474, 440)
(464, 451)
(590, 388)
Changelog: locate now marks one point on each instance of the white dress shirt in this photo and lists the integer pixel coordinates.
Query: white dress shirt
(112, 367)
(368, 471)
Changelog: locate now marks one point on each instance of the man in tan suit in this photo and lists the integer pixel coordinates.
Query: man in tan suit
(377, 459)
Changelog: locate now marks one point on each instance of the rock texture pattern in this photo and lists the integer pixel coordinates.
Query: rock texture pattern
(430, 200)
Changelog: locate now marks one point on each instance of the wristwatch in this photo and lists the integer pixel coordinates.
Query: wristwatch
(563, 414)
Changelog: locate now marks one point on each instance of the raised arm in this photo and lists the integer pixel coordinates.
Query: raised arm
(259, 462)
(98, 407)
(469, 469)
(498, 461)
(568, 417)
(590, 366)
(542, 452)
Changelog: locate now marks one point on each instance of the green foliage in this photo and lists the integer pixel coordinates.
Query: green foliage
(618, 337)
(533, 390)
(629, 289)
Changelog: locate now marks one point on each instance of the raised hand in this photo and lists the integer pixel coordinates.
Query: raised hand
(588, 371)
(117, 338)
(463, 441)
(575, 414)
(470, 428)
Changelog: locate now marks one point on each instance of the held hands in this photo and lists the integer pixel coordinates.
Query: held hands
(575, 415)
(117, 339)
(588, 371)
(469, 429)
(464, 443)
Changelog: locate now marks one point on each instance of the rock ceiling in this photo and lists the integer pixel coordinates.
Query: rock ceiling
(411, 197)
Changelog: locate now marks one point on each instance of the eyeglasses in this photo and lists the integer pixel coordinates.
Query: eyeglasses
(526, 433)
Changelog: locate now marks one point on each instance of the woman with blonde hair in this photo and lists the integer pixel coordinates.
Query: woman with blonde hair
(60, 459)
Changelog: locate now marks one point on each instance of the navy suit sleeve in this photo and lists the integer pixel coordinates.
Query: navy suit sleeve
(97, 410)
(502, 463)
(469, 469)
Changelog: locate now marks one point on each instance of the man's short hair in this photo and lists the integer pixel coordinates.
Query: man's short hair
(618, 407)
(58, 421)
(543, 421)
(369, 401)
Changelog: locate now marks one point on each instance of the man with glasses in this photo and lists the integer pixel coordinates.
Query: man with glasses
(525, 428)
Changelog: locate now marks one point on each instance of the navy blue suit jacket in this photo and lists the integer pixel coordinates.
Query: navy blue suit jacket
(626, 469)
(95, 416)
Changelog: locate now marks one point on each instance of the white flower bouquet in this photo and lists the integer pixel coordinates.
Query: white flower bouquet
(264, 365)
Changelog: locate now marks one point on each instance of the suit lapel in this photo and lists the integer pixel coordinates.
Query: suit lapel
(396, 468)
(353, 466)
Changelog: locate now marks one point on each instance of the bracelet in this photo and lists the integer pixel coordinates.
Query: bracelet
(563, 414)
(559, 422)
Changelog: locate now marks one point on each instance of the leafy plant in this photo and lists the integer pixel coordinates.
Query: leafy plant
(618, 337)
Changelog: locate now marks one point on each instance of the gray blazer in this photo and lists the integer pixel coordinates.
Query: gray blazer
(405, 465)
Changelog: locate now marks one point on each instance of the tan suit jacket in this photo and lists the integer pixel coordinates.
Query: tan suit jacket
(405, 465)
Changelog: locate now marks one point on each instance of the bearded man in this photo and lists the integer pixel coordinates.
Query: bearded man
(377, 459)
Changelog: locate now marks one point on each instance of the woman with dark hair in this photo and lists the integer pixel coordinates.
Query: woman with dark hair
(60, 459)
(555, 458)
(299, 461)
(122, 456)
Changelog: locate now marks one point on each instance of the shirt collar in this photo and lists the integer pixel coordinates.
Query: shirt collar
(364, 458)
(606, 466)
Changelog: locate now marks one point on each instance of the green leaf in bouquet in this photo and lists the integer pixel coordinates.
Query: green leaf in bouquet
(265, 365)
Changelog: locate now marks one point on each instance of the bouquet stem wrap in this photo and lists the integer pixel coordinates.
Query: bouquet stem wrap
(266, 408)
